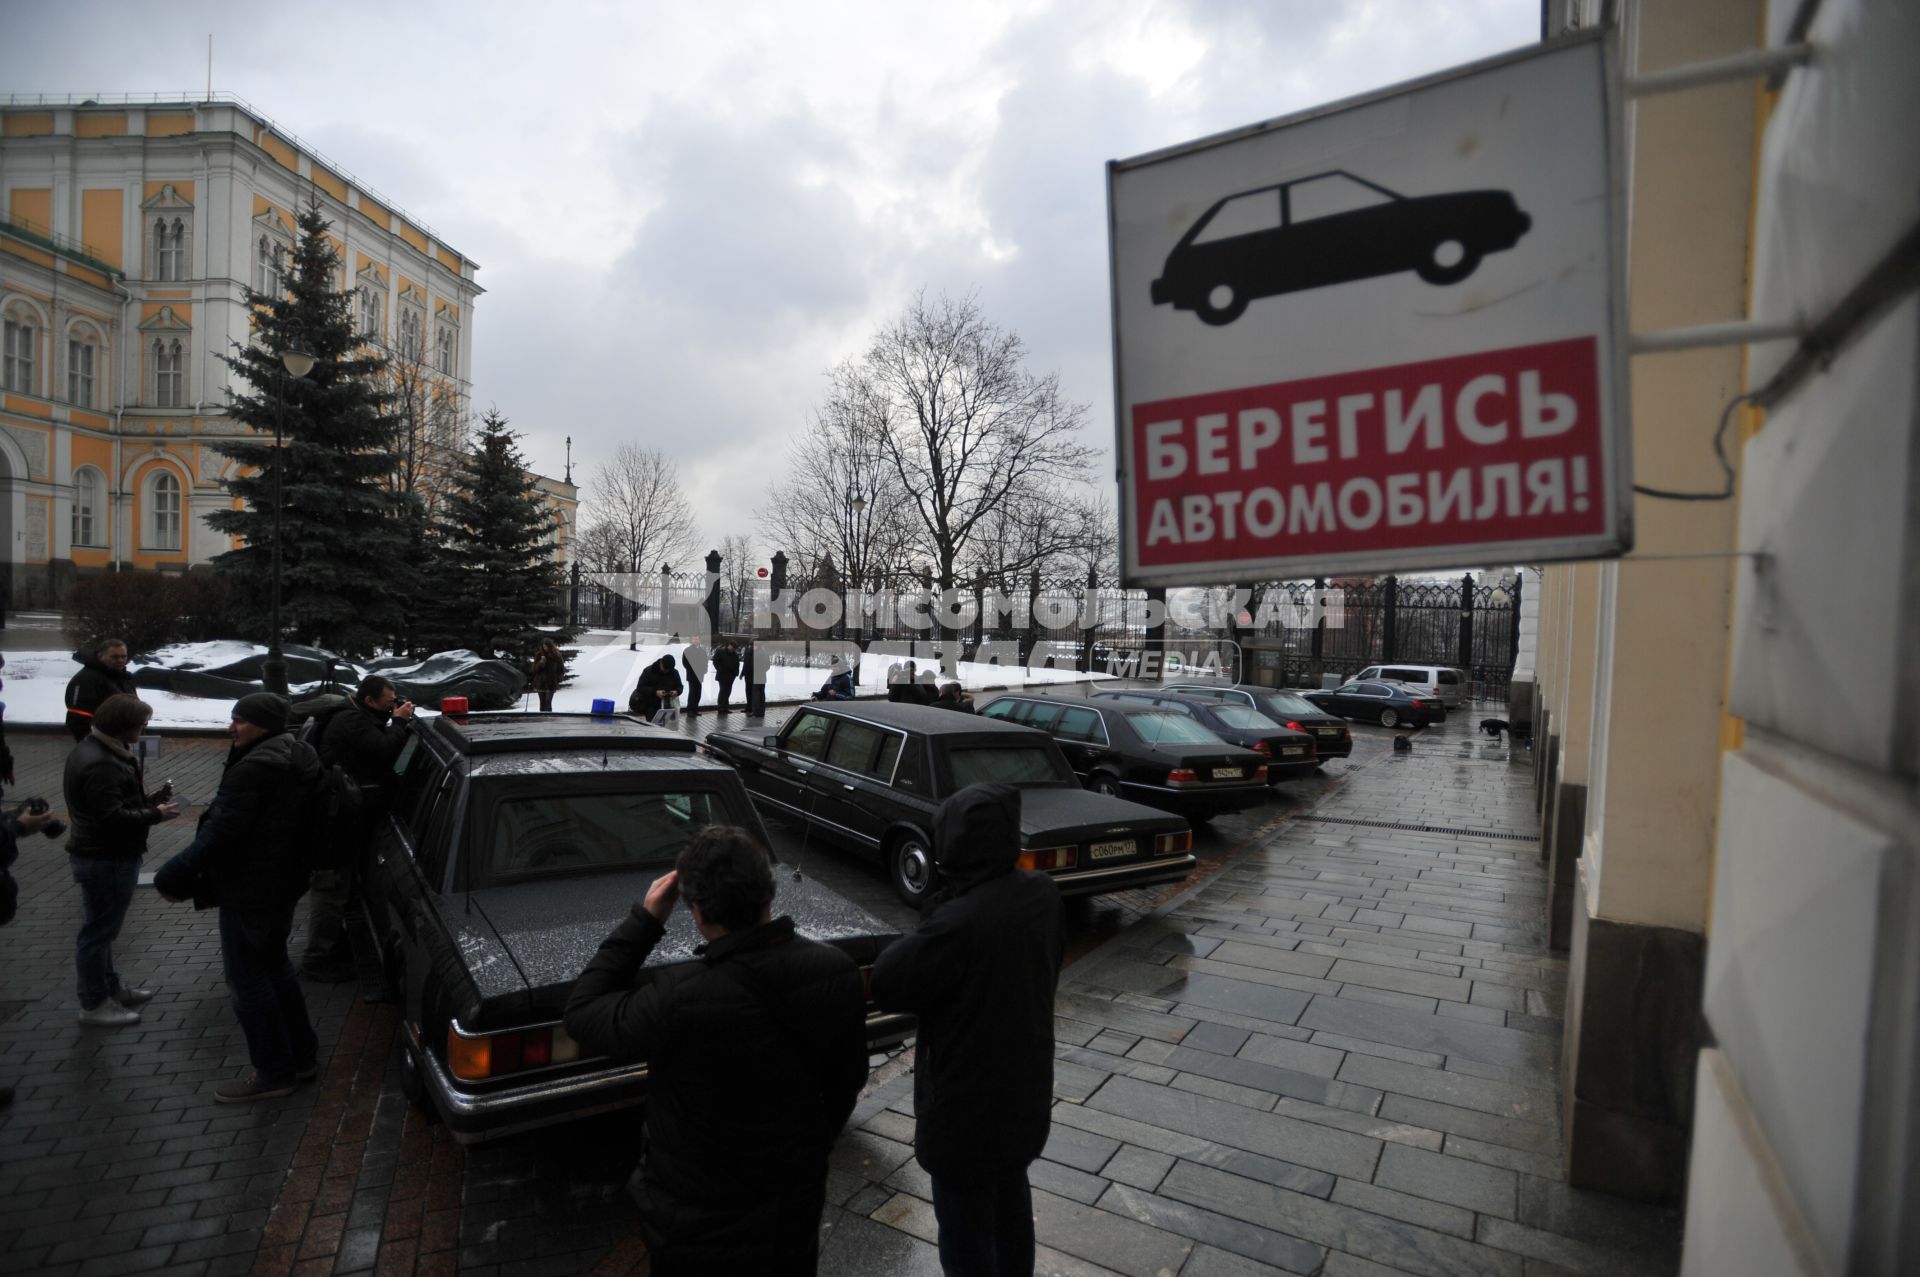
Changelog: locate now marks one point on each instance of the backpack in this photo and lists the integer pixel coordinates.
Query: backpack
(309, 718)
(331, 824)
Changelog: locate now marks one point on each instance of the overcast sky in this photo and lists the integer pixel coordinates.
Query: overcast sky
(684, 214)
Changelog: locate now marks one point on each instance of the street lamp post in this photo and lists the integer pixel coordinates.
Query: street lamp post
(273, 676)
(859, 566)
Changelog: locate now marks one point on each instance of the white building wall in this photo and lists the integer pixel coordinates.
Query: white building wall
(1804, 1156)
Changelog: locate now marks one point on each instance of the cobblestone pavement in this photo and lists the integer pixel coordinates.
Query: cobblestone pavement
(1333, 1055)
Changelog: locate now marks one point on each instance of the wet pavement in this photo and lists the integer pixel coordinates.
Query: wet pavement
(1332, 1051)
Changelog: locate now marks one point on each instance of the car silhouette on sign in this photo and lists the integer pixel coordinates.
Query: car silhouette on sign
(1328, 229)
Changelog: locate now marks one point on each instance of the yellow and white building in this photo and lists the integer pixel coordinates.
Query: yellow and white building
(129, 232)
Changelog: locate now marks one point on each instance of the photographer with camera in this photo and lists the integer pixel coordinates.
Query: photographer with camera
(111, 811)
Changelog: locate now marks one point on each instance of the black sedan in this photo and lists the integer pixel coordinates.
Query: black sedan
(1388, 704)
(1328, 229)
(515, 843)
(1144, 752)
(1288, 750)
(1331, 737)
(868, 775)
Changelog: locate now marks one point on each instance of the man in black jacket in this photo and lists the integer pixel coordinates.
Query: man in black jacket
(659, 682)
(980, 973)
(726, 668)
(693, 659)
(248, 860)
(103, 673)
(365, 738)
(756, 1054)
(111, 811)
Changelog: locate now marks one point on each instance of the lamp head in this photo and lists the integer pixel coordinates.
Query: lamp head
(298, 362)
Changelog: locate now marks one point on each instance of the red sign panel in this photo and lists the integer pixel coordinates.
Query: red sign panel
(1501, 446)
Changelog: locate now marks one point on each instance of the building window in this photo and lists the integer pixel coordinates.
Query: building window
(369, 313)
(169, 373)
(169, 248)
(410, 346)
(269, 265)
(80, 354)
(445, 353)
(17, 344)
(87, 506)
(163, 524)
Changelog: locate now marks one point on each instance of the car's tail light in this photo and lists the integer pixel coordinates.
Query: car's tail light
(1262, 747)
(1164, 844)
(1259, 773)
(1183, 776)
(1044, 858)
(476, 1057)
(1295, 727)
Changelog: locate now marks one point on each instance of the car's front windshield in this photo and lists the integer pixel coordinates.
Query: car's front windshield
(1159, 727)
(1006, 765)
(537, 835)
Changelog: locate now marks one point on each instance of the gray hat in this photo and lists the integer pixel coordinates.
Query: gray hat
(262, 709)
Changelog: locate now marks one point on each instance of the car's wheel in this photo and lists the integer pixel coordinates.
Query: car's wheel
(910, 868)
(1448, 261)
(1105, 783)
(1221, 304)
(1389, 718)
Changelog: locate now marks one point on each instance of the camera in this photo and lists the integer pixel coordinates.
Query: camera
(53, 828)
(164, 794)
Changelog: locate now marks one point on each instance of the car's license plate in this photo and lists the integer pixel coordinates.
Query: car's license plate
(1291, 750)
(1228, 773)
(1328, 731)
(1108, 850)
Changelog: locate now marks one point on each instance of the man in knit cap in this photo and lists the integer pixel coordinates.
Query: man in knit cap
(247, 861)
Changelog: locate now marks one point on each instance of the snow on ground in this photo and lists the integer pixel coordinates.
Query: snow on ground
(602, 667)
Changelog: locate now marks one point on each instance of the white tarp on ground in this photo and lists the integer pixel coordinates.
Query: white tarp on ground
(602, 666)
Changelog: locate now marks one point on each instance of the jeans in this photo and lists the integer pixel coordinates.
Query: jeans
(986, 1228)
(266, 995)
(106, 889)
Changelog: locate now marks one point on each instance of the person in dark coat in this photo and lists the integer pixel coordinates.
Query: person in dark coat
(926, 687)
(248, 861)
(980, 973)
(693, 658)
(103, 673)
(839, 684)
(756, 672)
(548, 672)
(111, 812)
(726, 668)
(756, 1053)
(365, 738)
(953, 696)
(658, 684)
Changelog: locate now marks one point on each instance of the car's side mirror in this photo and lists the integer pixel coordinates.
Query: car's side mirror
(772, 742)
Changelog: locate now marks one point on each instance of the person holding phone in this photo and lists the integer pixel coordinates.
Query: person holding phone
(111, 812)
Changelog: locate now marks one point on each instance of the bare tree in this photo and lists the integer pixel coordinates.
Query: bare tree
(431, 427)
(839, 498)
(737, 562)
(961, 423)
(641, 517)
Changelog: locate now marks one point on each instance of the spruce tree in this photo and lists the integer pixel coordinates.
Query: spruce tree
(498, 531)
(342, 527)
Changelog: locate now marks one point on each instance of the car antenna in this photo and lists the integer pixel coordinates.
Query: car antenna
(806, 831)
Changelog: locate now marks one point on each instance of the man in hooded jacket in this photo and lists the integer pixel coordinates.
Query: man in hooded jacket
(248, 860)
(103, 673)
(658, 682)
(980, 973)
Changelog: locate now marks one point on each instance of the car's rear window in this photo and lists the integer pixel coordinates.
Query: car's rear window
(1160, 727)
(1290, 705)
(1004, 765)
(1245, 717)
(563, 833)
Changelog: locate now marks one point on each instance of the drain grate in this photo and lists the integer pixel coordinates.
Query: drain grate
(1421, 829)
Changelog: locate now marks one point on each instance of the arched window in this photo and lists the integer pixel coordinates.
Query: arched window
(83, 351)
(19, 342)
(169, 373)
(410, 347)
(88, 507)
(369, 312)
(169, 248)
(263, 259)
(163, 518)
(446, 349)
